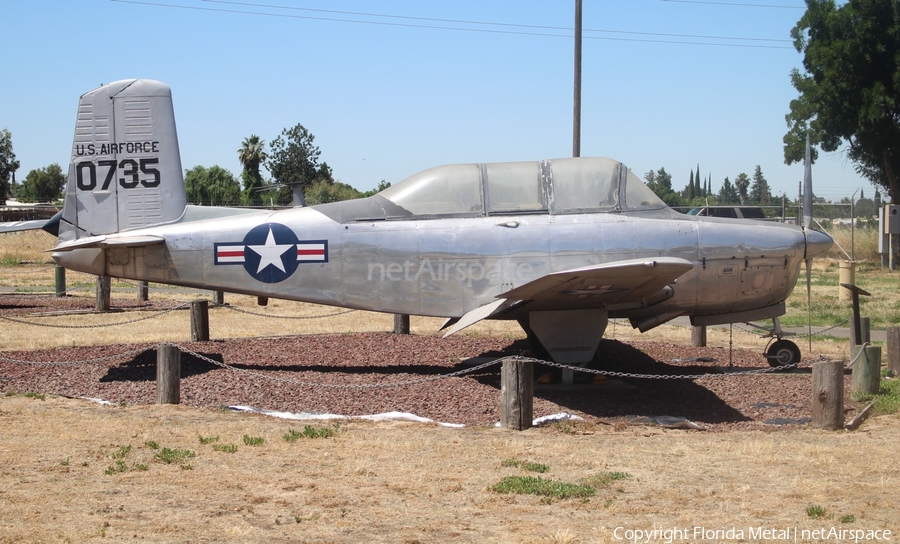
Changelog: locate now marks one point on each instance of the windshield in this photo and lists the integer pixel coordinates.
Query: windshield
(454, 189)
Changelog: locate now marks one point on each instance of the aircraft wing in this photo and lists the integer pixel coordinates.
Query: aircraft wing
(591, 286)
(608, 283)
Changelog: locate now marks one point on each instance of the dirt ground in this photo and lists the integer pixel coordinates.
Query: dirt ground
(73, 470)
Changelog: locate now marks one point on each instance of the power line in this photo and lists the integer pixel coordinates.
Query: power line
(734, 4)
(463, 29)
(490, 23)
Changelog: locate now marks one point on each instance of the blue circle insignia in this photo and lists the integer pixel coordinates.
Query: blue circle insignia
(270, 252)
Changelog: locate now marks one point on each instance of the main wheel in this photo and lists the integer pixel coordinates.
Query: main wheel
(782, 353)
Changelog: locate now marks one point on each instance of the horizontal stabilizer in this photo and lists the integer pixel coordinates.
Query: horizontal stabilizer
(16, 226)
(110, 241)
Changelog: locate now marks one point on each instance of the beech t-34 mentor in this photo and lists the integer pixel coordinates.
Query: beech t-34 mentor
(559, 245)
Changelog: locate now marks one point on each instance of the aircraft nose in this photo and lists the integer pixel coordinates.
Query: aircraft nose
(817, 243)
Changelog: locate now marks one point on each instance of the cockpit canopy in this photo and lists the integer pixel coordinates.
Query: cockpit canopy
(557, 186)
(573, 185)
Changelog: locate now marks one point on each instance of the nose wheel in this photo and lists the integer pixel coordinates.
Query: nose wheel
(782, 353)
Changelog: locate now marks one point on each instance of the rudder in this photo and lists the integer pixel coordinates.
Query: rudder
(125, 170)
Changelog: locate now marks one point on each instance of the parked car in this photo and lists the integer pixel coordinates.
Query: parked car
(734, 212)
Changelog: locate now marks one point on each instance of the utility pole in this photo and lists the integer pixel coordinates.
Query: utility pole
(576, 121)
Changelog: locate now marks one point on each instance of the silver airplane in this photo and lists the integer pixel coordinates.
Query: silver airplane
(560, 245)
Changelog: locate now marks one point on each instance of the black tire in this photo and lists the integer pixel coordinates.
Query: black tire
(783, 353)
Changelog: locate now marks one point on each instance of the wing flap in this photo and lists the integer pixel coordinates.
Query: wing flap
(476, 315)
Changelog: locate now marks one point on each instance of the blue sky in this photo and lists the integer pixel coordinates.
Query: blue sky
(388, 93)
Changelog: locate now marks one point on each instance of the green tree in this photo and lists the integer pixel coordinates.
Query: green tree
(43, 184)
(294, 160)
(8, 163)
(382, 185)
(850, 86)
(214, 186)
(324, 191)
(689, 192)
(252, 154)
(759, 189)
(728, 194)
(742, 183)
(660, 182)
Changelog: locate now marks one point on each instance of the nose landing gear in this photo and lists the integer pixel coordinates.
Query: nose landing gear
(781, 352)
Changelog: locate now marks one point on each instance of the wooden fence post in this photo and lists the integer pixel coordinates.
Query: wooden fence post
(866, 376)
(218, 298)
(401, 324)
(60, 281)
(865, 331)
(828, 395)
(517, 395)
(143, 291)
(200, 321)
(103, 291)
(168, 374)
(893, 350)
(698, 336)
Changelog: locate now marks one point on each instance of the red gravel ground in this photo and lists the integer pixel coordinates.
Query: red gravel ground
(323, 373)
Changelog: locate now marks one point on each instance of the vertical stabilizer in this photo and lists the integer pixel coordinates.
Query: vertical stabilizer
(125, 170)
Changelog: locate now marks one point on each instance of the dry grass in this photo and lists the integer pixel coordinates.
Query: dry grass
(395, 482)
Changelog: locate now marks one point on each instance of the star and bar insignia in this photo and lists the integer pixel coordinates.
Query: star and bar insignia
(271, 252)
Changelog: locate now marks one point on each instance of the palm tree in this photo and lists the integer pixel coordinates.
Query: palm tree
(741, 183)
(252, 154)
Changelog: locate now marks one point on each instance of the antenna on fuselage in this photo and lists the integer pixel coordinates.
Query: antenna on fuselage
(807, 222)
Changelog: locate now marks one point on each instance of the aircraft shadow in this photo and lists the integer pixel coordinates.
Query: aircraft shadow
(623, 396)
(618, 397)
(142, 368)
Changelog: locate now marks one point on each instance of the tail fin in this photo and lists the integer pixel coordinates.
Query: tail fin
(125, 170)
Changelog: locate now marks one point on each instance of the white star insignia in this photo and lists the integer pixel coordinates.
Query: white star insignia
(270, 253)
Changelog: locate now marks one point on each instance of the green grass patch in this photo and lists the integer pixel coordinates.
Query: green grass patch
(119, 465)
(605, 479)
(525, 465)
(253, 440)
(208, 439)
(535, 485)
(169, 455)
(887, 400)
(311, 432)
(815, 511)
(227, 448)
(38, 396)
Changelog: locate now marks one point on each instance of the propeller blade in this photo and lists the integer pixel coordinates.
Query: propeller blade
(807, 187)
(809, 303)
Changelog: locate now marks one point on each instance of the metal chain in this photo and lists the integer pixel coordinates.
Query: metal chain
(667, 376)
(343, 386)
(128, 322)
(430, 379)
(283, 316)
(823, 331)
